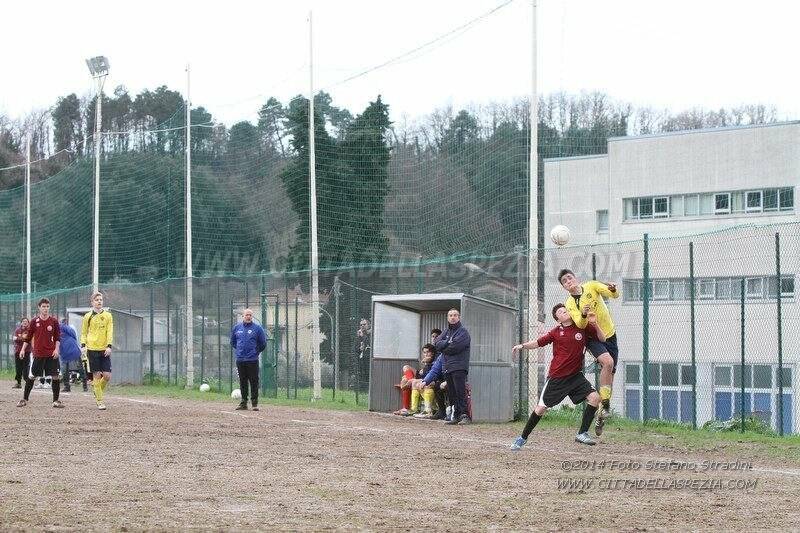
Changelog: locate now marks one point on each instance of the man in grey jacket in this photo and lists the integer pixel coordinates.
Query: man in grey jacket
(454, 343)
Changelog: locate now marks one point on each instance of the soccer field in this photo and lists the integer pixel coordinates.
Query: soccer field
(172, 464)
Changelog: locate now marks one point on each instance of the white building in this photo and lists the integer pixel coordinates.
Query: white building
(728, 191)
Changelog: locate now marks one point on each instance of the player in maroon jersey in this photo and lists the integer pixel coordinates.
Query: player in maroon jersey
(565, 375)
(44, 335)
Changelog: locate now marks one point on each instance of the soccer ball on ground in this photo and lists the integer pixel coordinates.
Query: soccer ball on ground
(560, 235)
(205, 387)
(236, 394)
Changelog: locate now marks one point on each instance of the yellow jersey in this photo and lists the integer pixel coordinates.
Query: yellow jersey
(97, 330)
(593, 295)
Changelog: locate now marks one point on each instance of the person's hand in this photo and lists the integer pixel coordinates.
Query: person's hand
(586, 309)
(107, 353)
(612, 287)
(55, 354)
(21, 355)
(592, 318)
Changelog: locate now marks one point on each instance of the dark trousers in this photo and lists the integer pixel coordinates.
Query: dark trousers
(80, 370)
(248, 374)
(441, 400)
(457, 391)
(21, 367)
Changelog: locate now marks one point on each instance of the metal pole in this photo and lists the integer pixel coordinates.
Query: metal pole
(741, 373)
(233, 322)
(219, 339)
(693, 334)
(296, 320)
(336, 290)
(97, 146)
(645, 328)
(317, 368)
(286, 326)
(520, 331)
(273, 340)
(780, 332)
(276, 345)
(169, 360)
(203, 341)
(28, 224)
(596, 368)
(533, 224)
(152, 336)
(189, 353)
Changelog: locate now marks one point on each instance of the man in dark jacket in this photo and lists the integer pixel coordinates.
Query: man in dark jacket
(454, 343)
(248, 340)
(70, 355)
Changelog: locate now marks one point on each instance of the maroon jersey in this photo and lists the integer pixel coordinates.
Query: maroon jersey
(22, 335)
(44, 332)
(569, 343)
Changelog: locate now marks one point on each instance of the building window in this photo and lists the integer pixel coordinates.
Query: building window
(723, 289)
(760, 398)
(602, 220)
(669, 394)
(722, 203)
(754, 201)
(661, 207)
(787, 199)
(709, 204)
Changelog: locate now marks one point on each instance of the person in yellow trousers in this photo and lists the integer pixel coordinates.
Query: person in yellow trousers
(97, 336)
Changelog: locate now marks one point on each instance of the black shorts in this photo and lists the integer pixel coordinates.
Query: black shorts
(98, 362)
(44, 366)
(576, 386)
(598, 348)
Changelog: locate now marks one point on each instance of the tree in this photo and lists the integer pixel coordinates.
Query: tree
(68, 124)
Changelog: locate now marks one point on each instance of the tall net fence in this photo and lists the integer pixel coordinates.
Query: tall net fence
(419, 193)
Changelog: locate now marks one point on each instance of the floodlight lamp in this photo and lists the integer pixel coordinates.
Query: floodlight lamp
(98, 66)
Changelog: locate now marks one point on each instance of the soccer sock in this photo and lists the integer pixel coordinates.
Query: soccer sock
(605, 396)
(532, 421)
(97, 385)
(104, 383)
(56, 389)
(28, 387)
(415, 400)
(588, 416)
(427, 396)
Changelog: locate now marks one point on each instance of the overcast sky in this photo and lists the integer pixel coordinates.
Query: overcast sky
(668, 54)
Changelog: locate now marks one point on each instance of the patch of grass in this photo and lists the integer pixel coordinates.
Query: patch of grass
(344, 401)
(755, 441)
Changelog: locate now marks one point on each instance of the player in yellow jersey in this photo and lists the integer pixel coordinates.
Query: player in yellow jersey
(97, 336)
(586, 298)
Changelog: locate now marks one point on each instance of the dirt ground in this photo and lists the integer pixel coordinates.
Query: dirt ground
(172, 464)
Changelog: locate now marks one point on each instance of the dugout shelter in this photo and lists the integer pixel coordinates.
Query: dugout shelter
(401, 325)
(127, 355)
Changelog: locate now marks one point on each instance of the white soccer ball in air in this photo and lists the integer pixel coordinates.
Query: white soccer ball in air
(205, 387)
(560, 235)
(236, 394)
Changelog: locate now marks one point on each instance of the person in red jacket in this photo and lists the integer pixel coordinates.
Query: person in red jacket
(565, 375)
(45, 339)
(22, 359)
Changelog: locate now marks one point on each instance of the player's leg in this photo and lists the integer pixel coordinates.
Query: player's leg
(254, 384)
(552, 394)
(241, 368)
(65, 378)
(19, 367)
(55, 380)
(579, 390)
(31, 373)
(95, 364)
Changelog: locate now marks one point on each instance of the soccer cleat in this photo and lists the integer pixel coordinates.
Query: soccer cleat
(58, 404)
(585, 438)
(22, 403)
(17, 386)
(241, 407)
(465, 420)
(600, 421)
(255, 408)
(101, 406)
(425, 416)
(402, 412)
(518, 444)
(451, 422)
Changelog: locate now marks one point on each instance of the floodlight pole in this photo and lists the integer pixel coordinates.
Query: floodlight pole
(100, 79)
(534, 311)
(189, 348)
(315, 361)
(28, 225)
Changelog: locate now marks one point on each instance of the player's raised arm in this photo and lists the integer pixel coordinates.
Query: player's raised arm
(608, 290)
